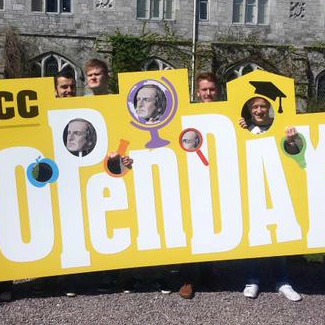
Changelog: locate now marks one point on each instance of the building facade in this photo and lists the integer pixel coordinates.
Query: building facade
(238, 36)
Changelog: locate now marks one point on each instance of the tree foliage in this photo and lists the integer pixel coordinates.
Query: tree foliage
(13, 55)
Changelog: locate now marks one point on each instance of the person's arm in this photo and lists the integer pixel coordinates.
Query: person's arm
(293, 143)
(117, 164)
(127, 161)
(243, 124)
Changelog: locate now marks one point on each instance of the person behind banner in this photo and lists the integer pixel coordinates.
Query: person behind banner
(256, 118)
(6, 291)
(97, 74)
(97, 77)
(207, 87)
(65, 84)
(98, 82)
(194, 273)
(150, 104)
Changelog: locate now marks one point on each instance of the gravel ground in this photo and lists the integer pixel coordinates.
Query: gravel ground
(224, 305)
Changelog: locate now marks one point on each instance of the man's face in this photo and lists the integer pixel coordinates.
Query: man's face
(65, 87)
(146, 103)
(77, 136)
(189, 140)
(259, 111)
(96, 78)
(207, 91)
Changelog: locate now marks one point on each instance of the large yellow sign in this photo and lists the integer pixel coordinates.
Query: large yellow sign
(201, 187)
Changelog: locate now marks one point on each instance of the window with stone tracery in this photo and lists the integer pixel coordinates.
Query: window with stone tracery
(320, 86)
(240, 70)
(49, 64)
(156, 64)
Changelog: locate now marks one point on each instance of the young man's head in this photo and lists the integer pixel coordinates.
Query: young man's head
(206, 87)
(65, 84)
(97, 76)
(259, 109)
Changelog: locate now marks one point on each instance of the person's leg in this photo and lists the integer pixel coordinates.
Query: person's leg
(207, 275)
(190, 276)
(127, 281)
(161, 279)
(6, 291)
(280, 272)
(279, 269)
(252, 269)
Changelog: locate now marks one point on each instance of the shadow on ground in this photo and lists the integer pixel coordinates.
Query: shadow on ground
(307, 277)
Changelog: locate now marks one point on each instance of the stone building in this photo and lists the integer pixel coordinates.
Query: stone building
(232, 37)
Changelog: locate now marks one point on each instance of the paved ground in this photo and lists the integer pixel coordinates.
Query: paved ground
(225, 305)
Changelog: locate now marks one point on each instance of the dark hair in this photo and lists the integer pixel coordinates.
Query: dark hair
(206, 76)
(67, 73)
(96, 63)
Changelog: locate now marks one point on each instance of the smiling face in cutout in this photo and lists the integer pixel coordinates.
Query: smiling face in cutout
(259, 109)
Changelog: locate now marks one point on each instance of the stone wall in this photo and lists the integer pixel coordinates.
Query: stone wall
(292, 44)
(297, 22)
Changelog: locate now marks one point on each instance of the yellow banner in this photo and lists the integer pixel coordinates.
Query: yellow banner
(201, 187)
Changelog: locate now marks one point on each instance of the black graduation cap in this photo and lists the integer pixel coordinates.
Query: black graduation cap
(269, 90)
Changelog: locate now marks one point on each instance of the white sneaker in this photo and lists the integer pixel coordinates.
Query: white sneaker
(251, 290)
(289, 293)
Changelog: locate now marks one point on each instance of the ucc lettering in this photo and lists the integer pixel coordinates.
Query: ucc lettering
(9, 105)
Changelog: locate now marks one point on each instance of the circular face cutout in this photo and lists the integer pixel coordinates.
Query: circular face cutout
(190, 139)
(149, 102)
(79, 137)
(258, 115)
(43, 171)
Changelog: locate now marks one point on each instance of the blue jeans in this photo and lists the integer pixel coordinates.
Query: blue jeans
(278, 265)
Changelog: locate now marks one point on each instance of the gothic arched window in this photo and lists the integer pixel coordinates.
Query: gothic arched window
(320, 86)
(157, 64)
(240, 70)
(49, 64)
